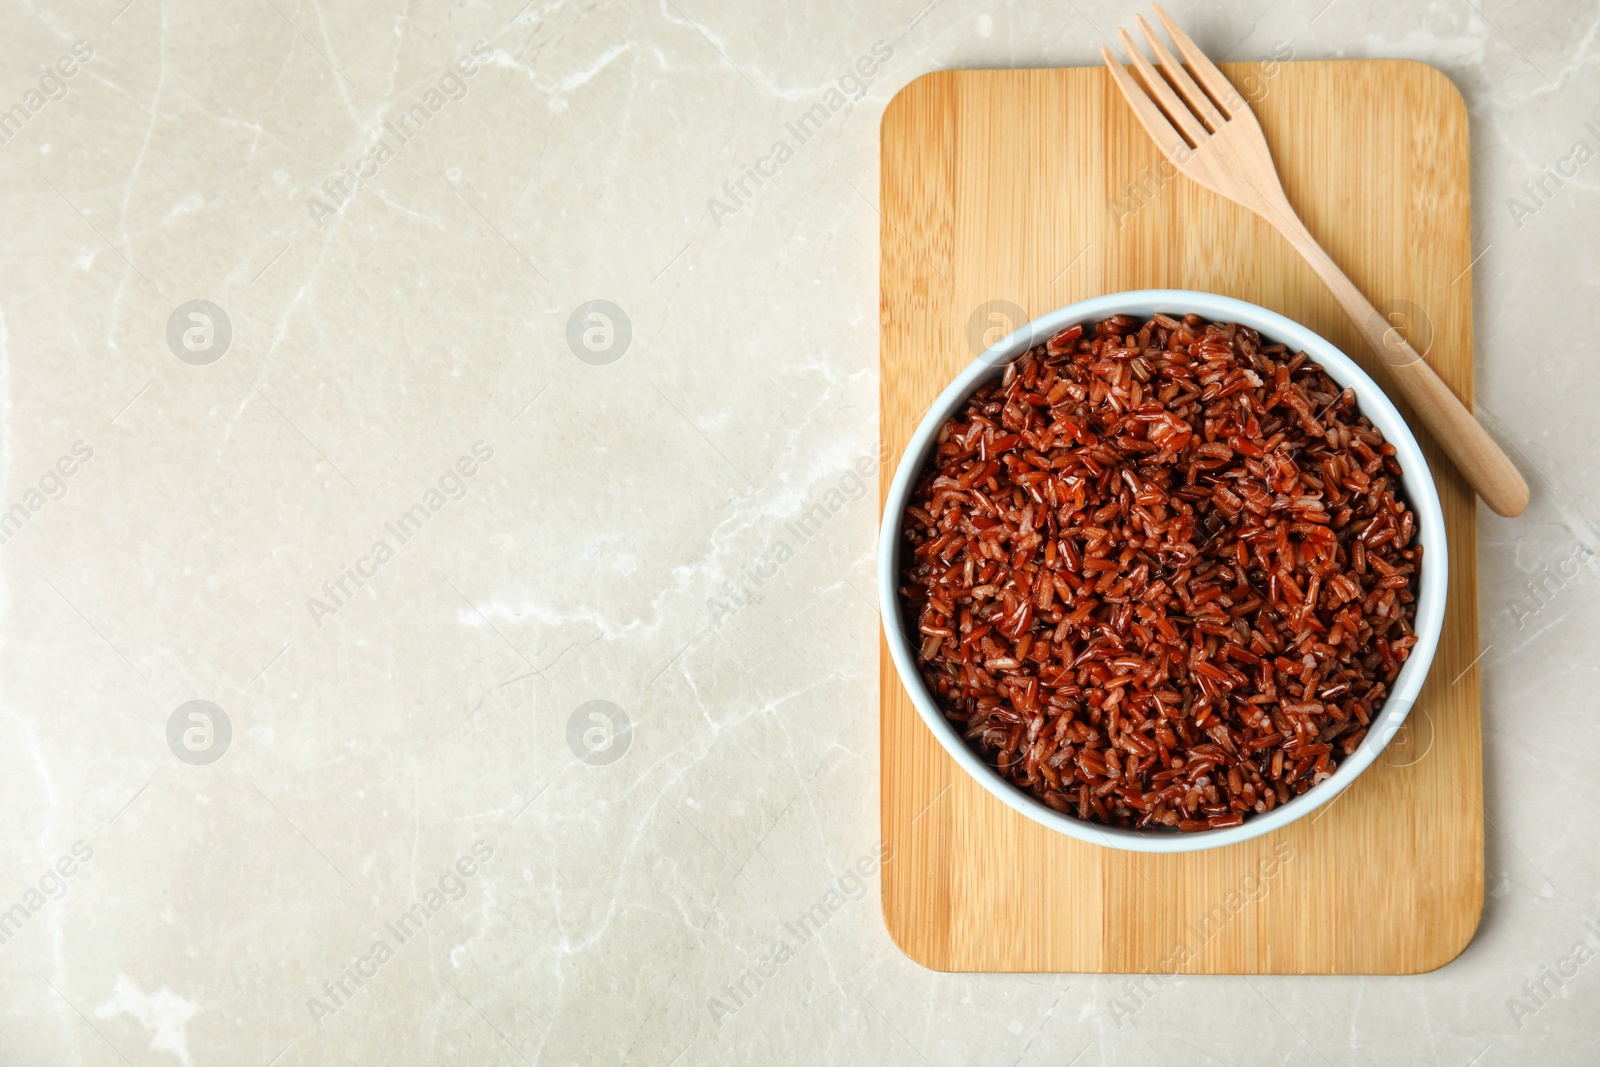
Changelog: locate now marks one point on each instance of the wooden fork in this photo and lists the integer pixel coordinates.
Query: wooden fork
(1210, 134)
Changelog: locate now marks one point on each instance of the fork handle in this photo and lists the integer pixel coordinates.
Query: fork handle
(1483, 463)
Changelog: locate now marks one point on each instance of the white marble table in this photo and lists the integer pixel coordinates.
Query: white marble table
(534, 719)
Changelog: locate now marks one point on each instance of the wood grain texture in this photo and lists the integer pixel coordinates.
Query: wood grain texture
(1038, 187)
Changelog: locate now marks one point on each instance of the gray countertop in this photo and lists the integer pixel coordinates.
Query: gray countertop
(426, 389)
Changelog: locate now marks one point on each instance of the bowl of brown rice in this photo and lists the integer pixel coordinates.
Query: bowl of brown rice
(1163, 570)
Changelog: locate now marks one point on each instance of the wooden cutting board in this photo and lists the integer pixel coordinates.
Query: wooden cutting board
(1013, 193)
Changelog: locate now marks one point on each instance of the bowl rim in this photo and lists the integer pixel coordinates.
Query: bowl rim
(1372, 402)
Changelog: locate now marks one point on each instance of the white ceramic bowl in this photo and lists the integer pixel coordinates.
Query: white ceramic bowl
(1419, 491)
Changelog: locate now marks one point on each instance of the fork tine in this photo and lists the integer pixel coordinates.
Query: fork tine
(1150, 117)
(1162, 93)
(1198, 101)
(1229, 102)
